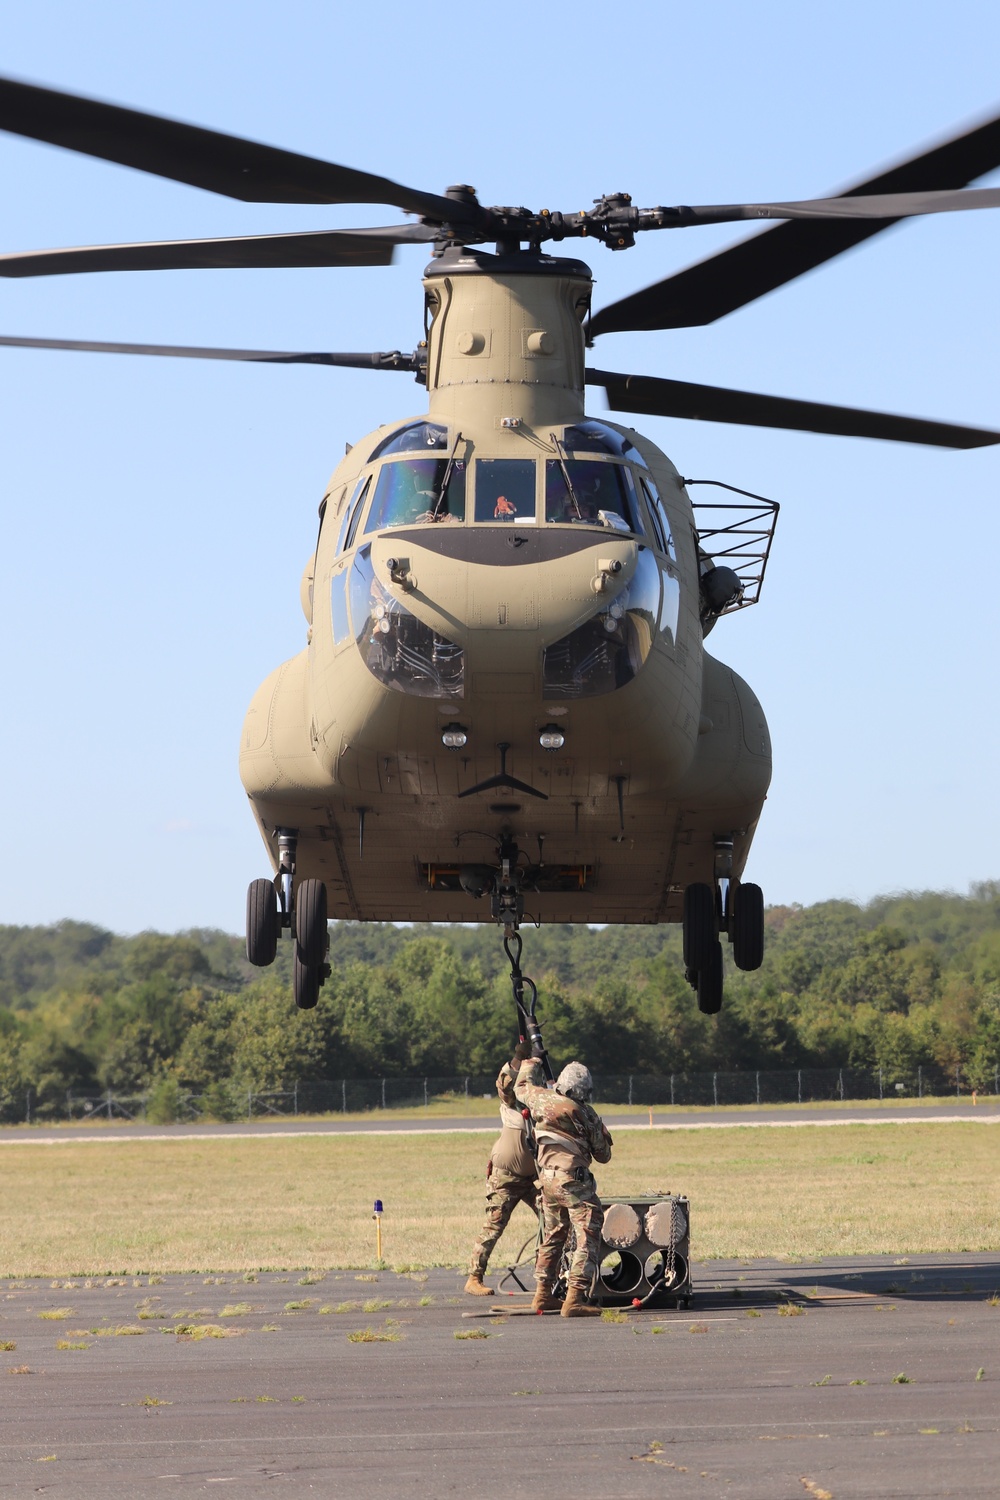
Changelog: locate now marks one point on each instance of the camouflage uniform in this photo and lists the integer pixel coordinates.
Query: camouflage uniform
(568, 1135)
(510, 1174)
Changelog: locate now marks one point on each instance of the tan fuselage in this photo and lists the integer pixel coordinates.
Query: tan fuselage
(344, 740)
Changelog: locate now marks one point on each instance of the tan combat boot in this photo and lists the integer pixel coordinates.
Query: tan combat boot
(543, 1300)
(475, 1286)
(577, 1306)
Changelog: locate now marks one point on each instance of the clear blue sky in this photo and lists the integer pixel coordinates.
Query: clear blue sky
(157, 514)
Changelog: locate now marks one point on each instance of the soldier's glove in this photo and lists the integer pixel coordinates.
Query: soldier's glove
(521, 1052)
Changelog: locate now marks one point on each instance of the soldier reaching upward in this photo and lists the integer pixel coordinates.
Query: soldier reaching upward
(568, 1135)
(510, 1176)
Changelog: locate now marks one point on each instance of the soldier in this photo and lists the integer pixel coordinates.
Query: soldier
(568, 1135)
(510, 1175)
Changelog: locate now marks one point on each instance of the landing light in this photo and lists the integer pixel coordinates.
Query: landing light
(551, 737)
(454, 737)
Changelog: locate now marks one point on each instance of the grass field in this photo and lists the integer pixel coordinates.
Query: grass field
(127, 1207)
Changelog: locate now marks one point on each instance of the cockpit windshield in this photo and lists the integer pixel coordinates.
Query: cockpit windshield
(505, 490)
(411, 492)
(577, 490)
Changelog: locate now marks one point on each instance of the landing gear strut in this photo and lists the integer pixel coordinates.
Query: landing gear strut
(300, 910)
(727, 906)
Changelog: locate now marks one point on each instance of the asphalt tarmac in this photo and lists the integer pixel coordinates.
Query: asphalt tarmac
(847, 1379)
(376, 1124)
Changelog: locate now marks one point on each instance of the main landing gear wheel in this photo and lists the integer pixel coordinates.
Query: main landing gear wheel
(262, 923)
(311, 934)
(309, 967)
(748, 927)
(306, 980)
(700, 925)
(710, 981)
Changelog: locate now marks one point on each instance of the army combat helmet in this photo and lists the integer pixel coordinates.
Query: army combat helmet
(576, 1083)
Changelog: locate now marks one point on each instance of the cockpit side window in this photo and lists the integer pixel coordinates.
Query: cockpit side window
(654, 519)
(412, 492)
(658, 515)
(505, 490)
(353, 516)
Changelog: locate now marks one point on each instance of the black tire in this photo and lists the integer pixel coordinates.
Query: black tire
(311, 935)
(710, 982)
(700, 925)
(262, 923)
(748, 927)
(305, 983)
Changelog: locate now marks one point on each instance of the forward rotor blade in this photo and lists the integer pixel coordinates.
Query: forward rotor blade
(349, 247)
(652, 396)
(748, 270)
(868, 206)
(389, 360)
(206, 159)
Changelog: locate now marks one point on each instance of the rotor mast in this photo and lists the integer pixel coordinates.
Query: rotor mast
(506, 338)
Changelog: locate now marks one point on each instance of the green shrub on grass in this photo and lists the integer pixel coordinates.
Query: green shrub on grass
(164, 1105)
(219, 1102)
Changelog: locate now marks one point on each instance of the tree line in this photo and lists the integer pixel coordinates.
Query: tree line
(901, 982)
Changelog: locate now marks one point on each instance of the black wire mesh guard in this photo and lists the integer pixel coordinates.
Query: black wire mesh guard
(737, 533)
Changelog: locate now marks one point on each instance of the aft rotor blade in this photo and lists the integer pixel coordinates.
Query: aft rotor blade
(652, 396)
(386, 360)
(206, 159)
(748, 270)
(868, 206)
(348, 247)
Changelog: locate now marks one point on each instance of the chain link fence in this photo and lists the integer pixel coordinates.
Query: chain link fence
(228, 1101)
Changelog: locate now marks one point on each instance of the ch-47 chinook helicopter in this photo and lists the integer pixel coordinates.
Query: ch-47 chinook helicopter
(505, 691)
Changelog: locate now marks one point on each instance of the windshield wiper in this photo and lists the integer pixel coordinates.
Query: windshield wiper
(557, 445)
(442, 492)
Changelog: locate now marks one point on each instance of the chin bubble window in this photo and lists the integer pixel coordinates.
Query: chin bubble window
(418, 492)
(400, 650)
(505, 490)
(607, 652)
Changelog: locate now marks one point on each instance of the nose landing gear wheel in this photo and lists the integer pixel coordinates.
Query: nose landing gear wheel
(710, 982)
(262, 923)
